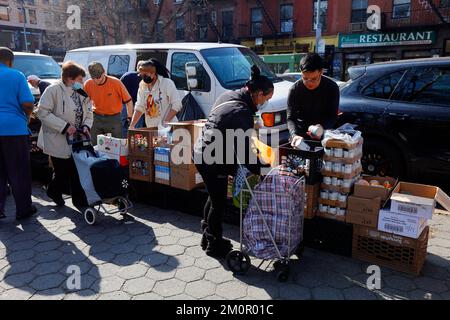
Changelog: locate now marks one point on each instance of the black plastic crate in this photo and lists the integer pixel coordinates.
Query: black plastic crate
(314, 158)
(329, 235)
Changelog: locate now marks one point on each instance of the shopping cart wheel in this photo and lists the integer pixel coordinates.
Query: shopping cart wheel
(238, 262)
(282, 270)
(90, 216)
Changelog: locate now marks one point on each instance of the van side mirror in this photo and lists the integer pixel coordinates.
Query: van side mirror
(191, 71)
(192, 83)
(197, 77)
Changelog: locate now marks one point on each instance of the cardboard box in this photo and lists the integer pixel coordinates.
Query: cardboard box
(370, 192)
(141, 169)
(364, 206)
(412, 199)
(185, 177)
(113, 148)
(187, 132)
(162, 175)
(162, 156)
(142, 141)
(362, 219)
(403, 225)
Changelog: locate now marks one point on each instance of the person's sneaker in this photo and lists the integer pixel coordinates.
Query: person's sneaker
(30, 213)
(56, 198)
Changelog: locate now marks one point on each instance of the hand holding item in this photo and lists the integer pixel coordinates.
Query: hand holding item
(71, 130)
(296, 140)
(316, 132)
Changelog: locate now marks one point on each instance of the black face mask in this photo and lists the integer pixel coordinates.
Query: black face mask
(147, 79)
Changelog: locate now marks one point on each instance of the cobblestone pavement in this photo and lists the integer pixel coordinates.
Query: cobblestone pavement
(159, 257)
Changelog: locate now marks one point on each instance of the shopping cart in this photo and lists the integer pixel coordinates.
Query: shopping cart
(85, 158)
(272, 226)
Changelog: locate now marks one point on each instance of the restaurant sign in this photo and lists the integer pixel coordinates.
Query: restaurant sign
(387, 39)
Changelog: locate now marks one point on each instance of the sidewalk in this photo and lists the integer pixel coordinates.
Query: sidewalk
(159, 257)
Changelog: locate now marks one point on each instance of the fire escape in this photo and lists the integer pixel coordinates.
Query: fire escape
(267, 18)
(205, 7)
(444, 19)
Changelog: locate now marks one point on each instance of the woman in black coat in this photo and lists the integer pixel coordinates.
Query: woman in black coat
(234, 112)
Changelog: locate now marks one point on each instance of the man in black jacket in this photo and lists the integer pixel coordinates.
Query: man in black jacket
(312, 101)
(231, 121)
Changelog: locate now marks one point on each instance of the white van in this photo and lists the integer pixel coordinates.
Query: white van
(207, 69)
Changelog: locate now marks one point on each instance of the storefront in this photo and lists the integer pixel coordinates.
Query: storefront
(281, 63)
(357, 49)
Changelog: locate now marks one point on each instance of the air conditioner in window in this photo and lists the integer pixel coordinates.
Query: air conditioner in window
(358, 27)
(156, 2)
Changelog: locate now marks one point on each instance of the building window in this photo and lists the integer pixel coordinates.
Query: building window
(323, 14)
(202, 27)
(287, 18)
(145, 28)
(180, 28)
(227, 24)
(4, 15)
(359, 11)
(257, 19)
(445, 3)
(160, 31)
(32, 16)
(401, 9)
(118, 65)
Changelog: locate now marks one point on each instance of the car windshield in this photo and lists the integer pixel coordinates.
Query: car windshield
(232, 66)
(43, 67)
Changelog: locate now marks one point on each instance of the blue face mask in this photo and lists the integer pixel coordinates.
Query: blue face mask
(77, 86)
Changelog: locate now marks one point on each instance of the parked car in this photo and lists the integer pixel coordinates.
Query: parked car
(213, 69)
(403, 110)
(295, 76)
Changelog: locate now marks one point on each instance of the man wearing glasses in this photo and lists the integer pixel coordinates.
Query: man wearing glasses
(313, 102)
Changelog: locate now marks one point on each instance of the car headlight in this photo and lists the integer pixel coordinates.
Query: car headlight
(273, 119)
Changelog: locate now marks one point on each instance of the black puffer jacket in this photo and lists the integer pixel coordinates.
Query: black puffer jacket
(238, 114)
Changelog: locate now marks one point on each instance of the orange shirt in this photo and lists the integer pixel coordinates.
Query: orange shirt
(108, 98)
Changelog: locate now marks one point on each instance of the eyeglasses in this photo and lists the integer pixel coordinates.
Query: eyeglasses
(313, 80)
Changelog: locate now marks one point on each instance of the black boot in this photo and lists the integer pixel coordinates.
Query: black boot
(218, 248)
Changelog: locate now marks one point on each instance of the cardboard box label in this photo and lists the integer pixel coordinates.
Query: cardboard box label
(362, 219)
(402, 225)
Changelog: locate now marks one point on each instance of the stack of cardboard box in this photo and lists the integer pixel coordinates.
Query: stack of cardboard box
(184, 174)
(398, 236)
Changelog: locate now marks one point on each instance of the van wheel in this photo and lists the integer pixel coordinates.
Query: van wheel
(382, 158)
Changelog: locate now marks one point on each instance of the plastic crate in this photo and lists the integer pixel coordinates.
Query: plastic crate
(141, 168)
(396, 252)
(329, 235)
(312, 161)
(141, 142)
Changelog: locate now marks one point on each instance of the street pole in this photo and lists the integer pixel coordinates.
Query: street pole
(318, 27)
(24, 25)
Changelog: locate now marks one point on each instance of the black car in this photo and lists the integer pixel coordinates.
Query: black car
(403, 110)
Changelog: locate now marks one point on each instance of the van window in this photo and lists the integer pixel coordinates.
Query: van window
(161, 56)
(42, 66)
(178, 70)
(118, 65)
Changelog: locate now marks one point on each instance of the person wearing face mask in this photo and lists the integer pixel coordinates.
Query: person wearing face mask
(235, 111)
(158, 97)
(16, 106)
(64, 109)
(108, 95)
(313, 102)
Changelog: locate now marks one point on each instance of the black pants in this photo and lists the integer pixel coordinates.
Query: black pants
(65, 173)
(15, 170)
(216, 182)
